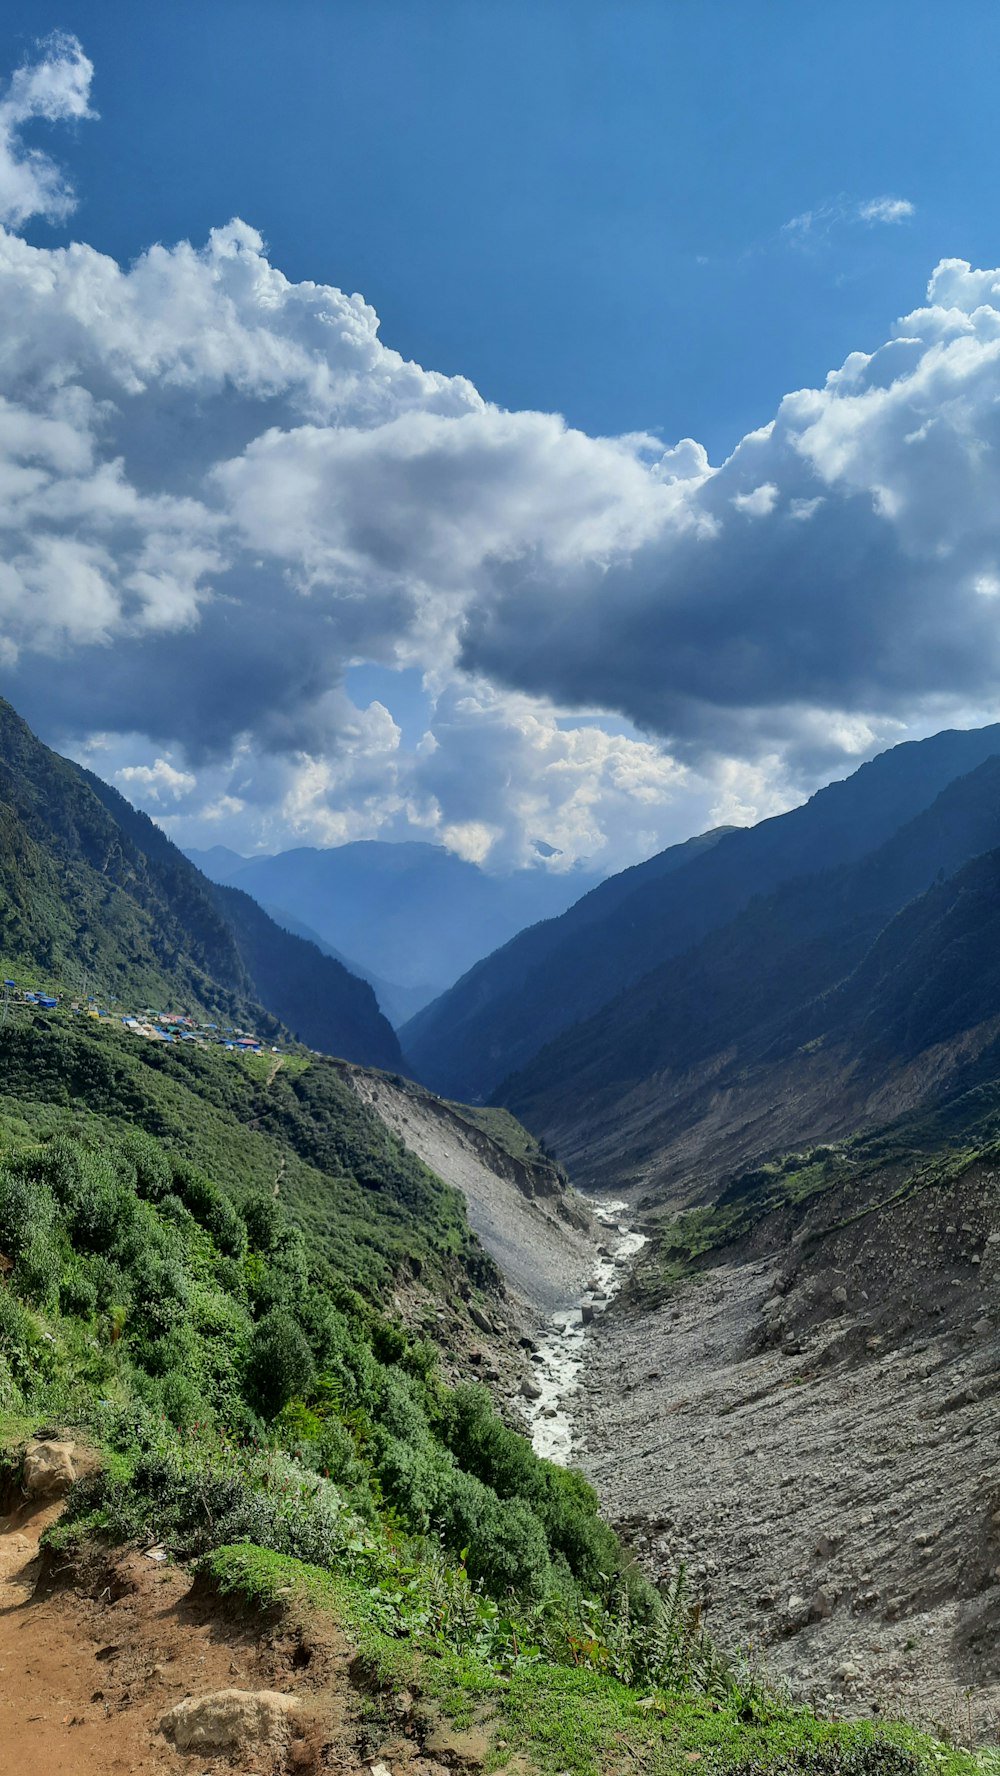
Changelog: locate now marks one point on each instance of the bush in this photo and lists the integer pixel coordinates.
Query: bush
(211, 1209)
(104, 1207)
(144, 1165)
(20, 1343)
(36, 1273)
(27, 1208)
(281, 1363)
(78, 1294)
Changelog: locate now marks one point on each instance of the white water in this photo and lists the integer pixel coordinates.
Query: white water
(558, 1362)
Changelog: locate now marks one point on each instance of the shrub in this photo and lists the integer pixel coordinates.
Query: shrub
(103, 1209)
(27, 1208)
(281, 1363)
(20, 1342)
(36, 1273)
(211, 1209)
(78, 1293)
(144, 1165)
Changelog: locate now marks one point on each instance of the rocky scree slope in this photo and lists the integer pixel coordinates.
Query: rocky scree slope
(540, 1233)
(829, 1355)
(559, 973)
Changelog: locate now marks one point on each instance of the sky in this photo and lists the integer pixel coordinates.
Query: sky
(556, 427)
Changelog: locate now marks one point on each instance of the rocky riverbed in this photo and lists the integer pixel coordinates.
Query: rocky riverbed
(562, 1350)
(814, 1434)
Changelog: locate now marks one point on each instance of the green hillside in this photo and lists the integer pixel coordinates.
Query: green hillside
(94, 897)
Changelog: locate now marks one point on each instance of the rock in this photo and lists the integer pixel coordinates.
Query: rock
(479, 1319)
(825, 1546)
(48, 1469)
(587, 1313)
(839, 1295)
(530, 1389)
(981, 1328)
(454, 1747)
(231, 1720)
(380, 1769)
(820, 1607)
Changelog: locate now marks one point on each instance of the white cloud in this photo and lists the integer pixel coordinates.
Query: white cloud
(886, 209)
(219, 490)
(759, 502)
(157, 780)
(812, 226)
(55, 89)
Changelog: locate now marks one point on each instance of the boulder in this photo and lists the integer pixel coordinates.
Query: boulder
(48, 1469)
(530, 1389)
(479, 1319)
(231, 1721)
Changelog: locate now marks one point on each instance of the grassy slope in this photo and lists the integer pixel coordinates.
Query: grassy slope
(91, 891)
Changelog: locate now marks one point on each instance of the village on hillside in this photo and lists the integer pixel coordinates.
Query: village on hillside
(154, 1026)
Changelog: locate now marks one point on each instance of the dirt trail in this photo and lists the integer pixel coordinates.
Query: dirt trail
(87, 1674)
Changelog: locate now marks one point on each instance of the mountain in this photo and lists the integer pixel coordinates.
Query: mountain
(396, 1003)
(413, 914)
(802, 1018)
(514, 1002)
(92, 892)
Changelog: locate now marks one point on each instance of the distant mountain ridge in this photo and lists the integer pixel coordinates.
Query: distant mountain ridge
(412, 915)
(547, 981)
(795, 1020)
(92, 891)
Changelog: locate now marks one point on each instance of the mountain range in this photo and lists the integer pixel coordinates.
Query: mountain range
(409, 917)
(539, 988)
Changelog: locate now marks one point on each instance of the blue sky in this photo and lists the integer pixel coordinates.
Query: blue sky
(579, 205)
(335, 596)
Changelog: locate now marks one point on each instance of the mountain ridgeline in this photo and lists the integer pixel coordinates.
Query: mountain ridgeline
(93, 896)
(536, 989)
(803, 1018)
(410, 917)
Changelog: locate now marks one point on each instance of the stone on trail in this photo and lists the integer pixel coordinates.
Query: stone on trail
(231, 1720)
(48, 1469)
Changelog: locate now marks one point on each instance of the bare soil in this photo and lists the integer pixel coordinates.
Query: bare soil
(90, 1662)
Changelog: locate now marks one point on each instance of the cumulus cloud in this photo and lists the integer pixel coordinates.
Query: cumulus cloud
(55, 88)
(157, 781)
(219, 491)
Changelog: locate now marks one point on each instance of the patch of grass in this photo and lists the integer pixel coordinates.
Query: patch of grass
(552, 1718)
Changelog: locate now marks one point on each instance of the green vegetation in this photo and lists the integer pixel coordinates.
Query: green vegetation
(259, 1413)
(94, 897)
(580, 1715)
(367, 1206)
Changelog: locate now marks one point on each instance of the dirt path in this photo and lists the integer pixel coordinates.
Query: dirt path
(86, 1676)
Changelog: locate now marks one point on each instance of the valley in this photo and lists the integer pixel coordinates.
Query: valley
(674, 1357)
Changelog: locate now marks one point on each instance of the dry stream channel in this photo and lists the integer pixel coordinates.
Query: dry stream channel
(559, 1358)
